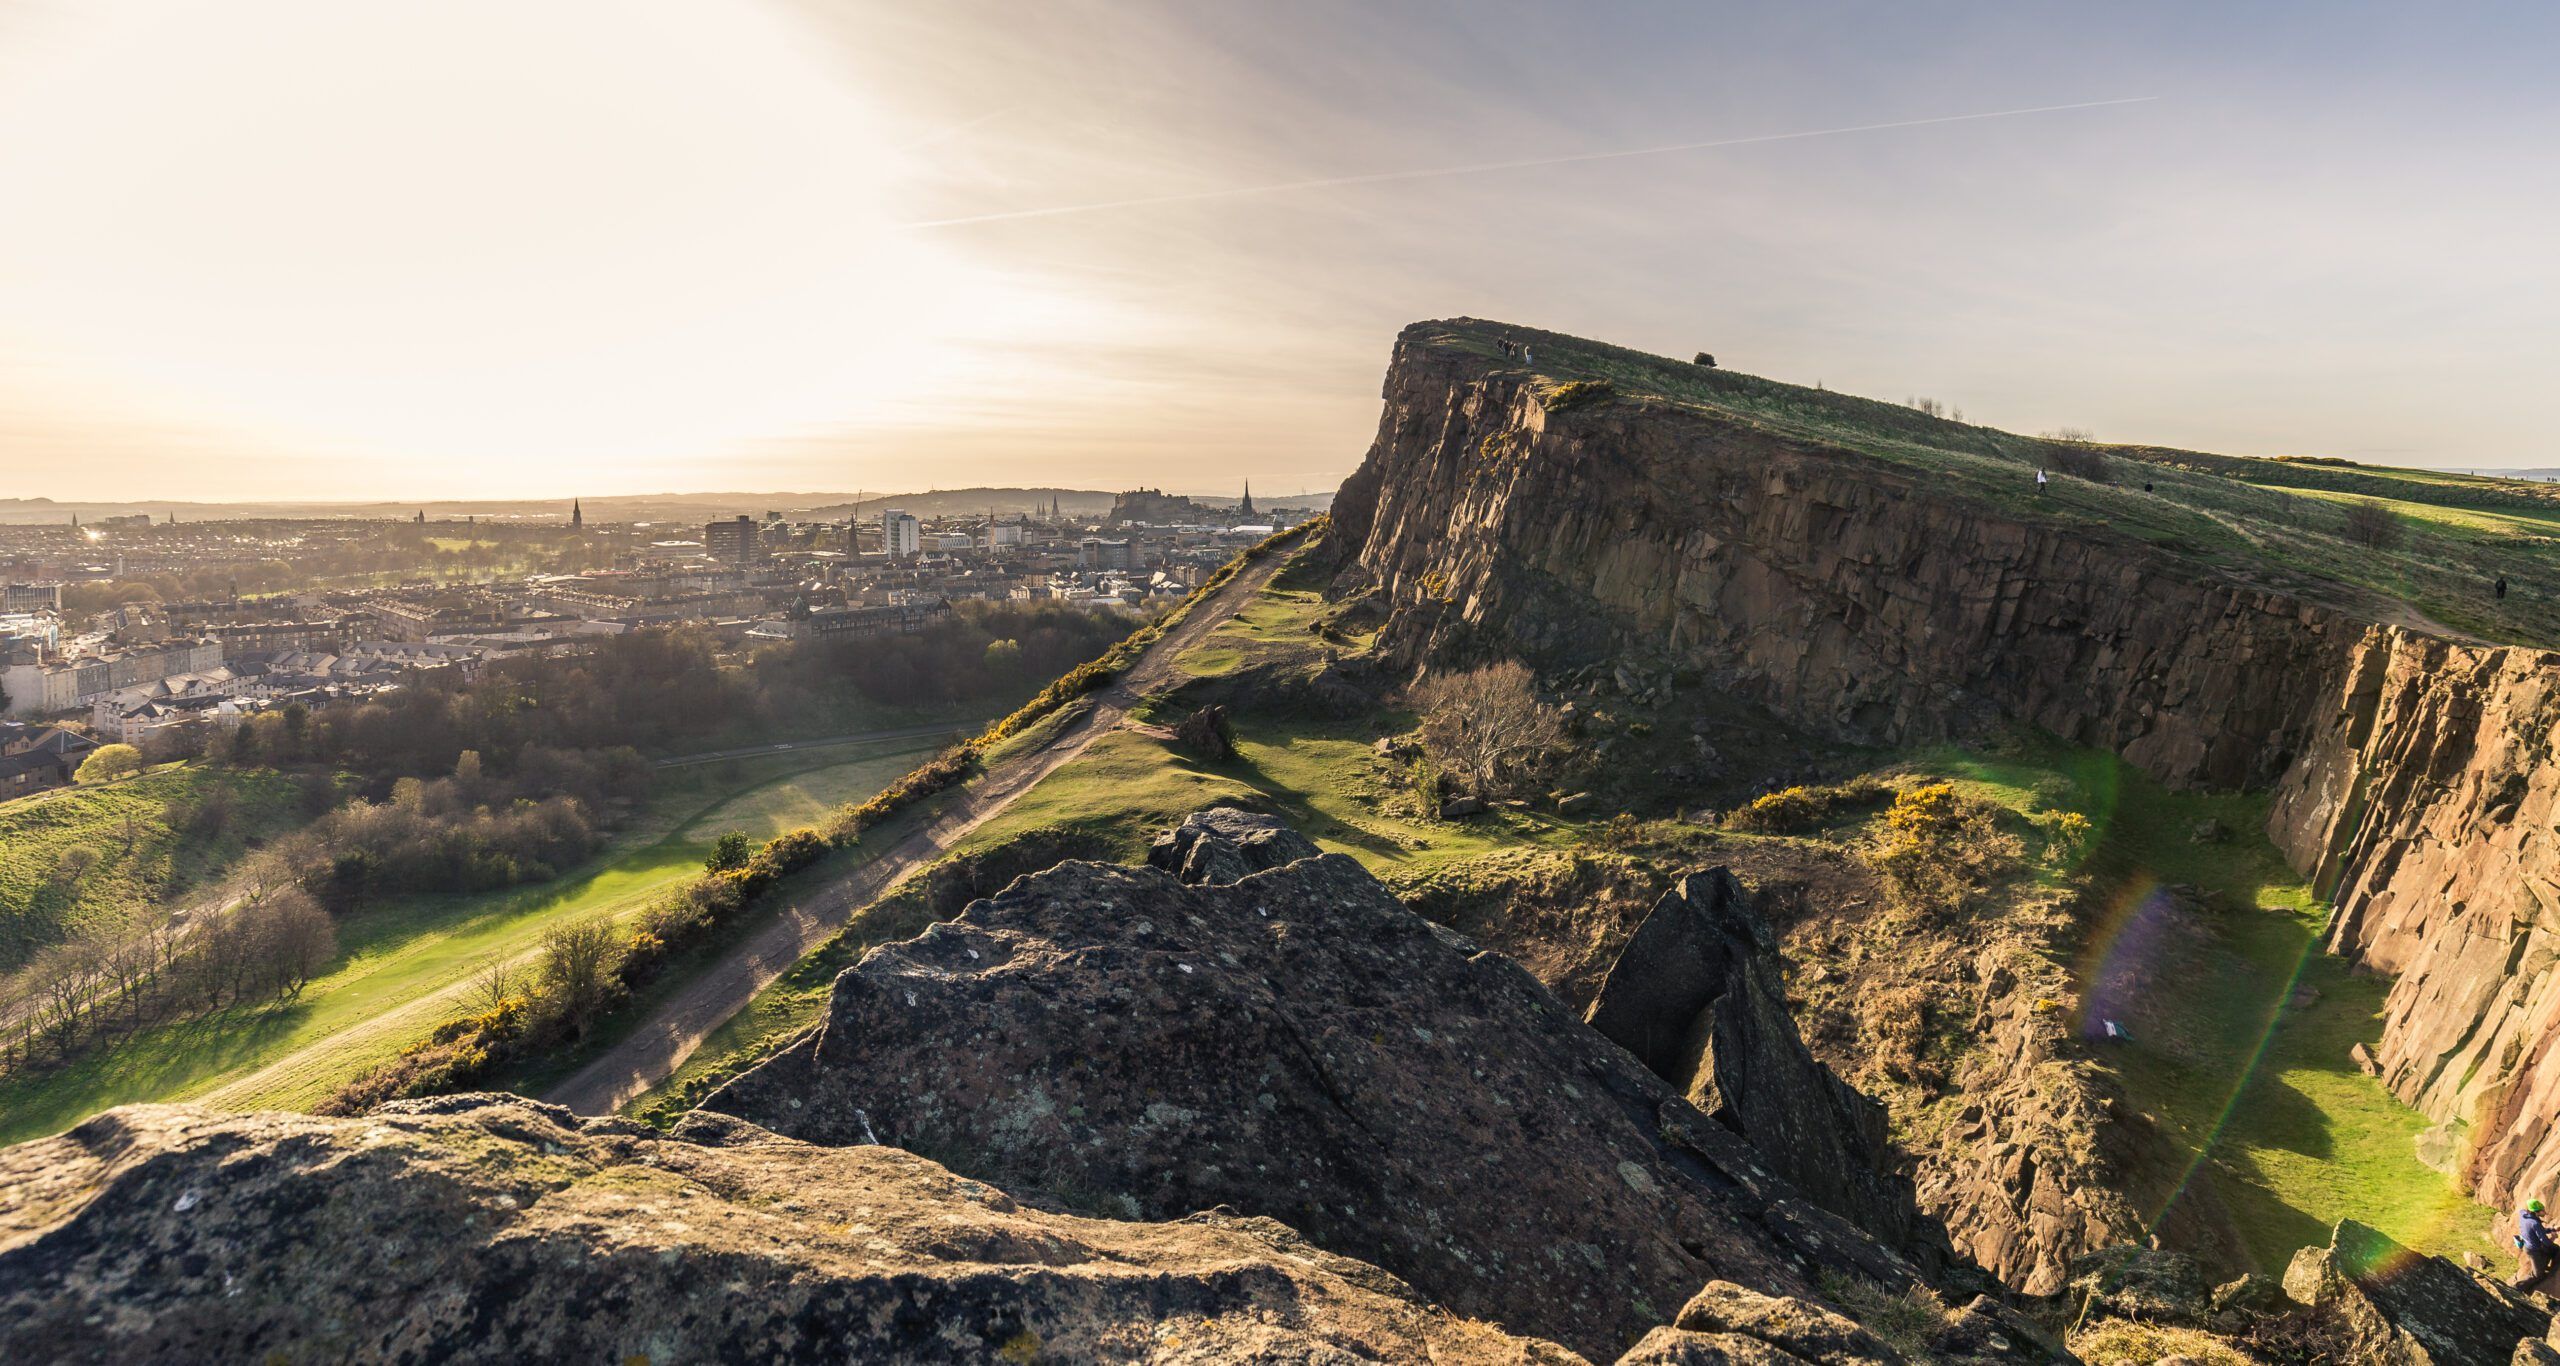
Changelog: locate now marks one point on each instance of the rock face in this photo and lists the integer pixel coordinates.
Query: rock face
(2405, 1309)
(2425, 800)
(1698, 995)
(2413, 774)
(489, 1228)
(1841, 592)
(1297, 1045)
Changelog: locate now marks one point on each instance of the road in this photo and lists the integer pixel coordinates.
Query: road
(658, 1046)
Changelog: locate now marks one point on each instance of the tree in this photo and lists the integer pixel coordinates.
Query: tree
(108, 763)
(577, 969)
(1487, 726)
(732, 850)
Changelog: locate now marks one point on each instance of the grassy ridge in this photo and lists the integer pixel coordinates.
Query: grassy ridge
(2275, 522)
(142, 863)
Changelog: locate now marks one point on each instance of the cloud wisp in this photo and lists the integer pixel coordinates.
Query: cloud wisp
(1481, 167)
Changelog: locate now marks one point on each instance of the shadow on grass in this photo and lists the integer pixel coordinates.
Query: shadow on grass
(149, 1065)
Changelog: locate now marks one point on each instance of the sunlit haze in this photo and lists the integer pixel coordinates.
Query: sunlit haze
(475, 249)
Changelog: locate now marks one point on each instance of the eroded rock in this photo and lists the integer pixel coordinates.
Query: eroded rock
(2402, 1308)
(1222, 844)
(488, 1228)
(1698, 995)
(1298, 1045)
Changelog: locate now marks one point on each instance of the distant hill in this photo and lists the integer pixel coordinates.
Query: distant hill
(641, 507)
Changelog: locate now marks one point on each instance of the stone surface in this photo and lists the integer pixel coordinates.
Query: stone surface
(1298, 1045)
(1699, 996)
(490, 1228)
(2130, 1281)
(2404, 1309)
(1222, 844)
(1808, 1330)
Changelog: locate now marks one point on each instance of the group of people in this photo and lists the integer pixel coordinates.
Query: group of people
(1520, 350)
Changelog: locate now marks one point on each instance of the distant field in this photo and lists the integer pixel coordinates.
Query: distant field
(382, 993)
(141, 865)
(2275, 522)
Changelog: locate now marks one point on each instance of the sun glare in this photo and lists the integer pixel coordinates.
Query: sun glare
(625, 231)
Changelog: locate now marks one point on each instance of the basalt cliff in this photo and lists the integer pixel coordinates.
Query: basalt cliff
(1500, 512)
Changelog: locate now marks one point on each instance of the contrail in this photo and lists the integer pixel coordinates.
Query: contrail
(1382, 177)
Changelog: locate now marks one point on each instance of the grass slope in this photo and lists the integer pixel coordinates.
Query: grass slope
(2257, 1090)
(380, 995)
(142, 863)
(2275, 522)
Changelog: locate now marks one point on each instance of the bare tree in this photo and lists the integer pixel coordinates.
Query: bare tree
(2370, 523)
(496, 983)
(1487, 726)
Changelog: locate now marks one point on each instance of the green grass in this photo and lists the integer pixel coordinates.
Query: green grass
(156, 868)
(381, 993)
(2260, 1096)
(2263, 521)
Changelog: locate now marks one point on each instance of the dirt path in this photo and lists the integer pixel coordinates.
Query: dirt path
(659, 1045)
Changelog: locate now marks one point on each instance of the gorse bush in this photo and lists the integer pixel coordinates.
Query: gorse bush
(1794, 810)
(1581, 393)
(1940, 849)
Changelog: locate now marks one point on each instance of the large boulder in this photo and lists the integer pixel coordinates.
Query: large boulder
(1698, 995)
(1299, 1045)
(489, 1228)
(2403, 1308)
(1222, 844)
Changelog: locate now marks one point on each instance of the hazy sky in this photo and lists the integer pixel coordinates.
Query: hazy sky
(362, 248)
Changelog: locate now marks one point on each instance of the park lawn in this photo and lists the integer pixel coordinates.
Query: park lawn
(156, 867)
(398, 959)
(2259, 1094)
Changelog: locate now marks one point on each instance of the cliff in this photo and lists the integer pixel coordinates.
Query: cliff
(1501, 512)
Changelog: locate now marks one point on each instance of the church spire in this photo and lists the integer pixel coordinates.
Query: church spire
(1244, 505)
(577, 516)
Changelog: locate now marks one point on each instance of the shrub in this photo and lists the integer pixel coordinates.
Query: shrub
(2081, 462)
(1794, 810)
(2367, 523)
(107, 763)
(1581, 393)
(1941, 847)
(729, 851)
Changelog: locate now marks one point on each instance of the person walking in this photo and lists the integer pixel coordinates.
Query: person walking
(2040, 481)
(2533, 1244)
(2502, 588)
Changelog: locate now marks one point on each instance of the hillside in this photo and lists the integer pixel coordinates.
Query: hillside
(2271, 522)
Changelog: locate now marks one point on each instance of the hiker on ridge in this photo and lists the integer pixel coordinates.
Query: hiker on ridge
(2533, 1243)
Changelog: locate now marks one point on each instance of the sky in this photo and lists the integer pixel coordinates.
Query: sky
(545, 248)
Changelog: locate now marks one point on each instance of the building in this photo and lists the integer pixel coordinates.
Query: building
(737, 541)
(31, 597)
(901, 536)
(1093, 552)
(1244, 505)
(42, 683)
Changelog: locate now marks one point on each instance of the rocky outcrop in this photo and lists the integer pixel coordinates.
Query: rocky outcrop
(1221, 844)
(489, 1228)
(2425, 805)
(1297, 1045)
(1840, 591)
(1699, 996)
(2405, 1309)
(2413, 773)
